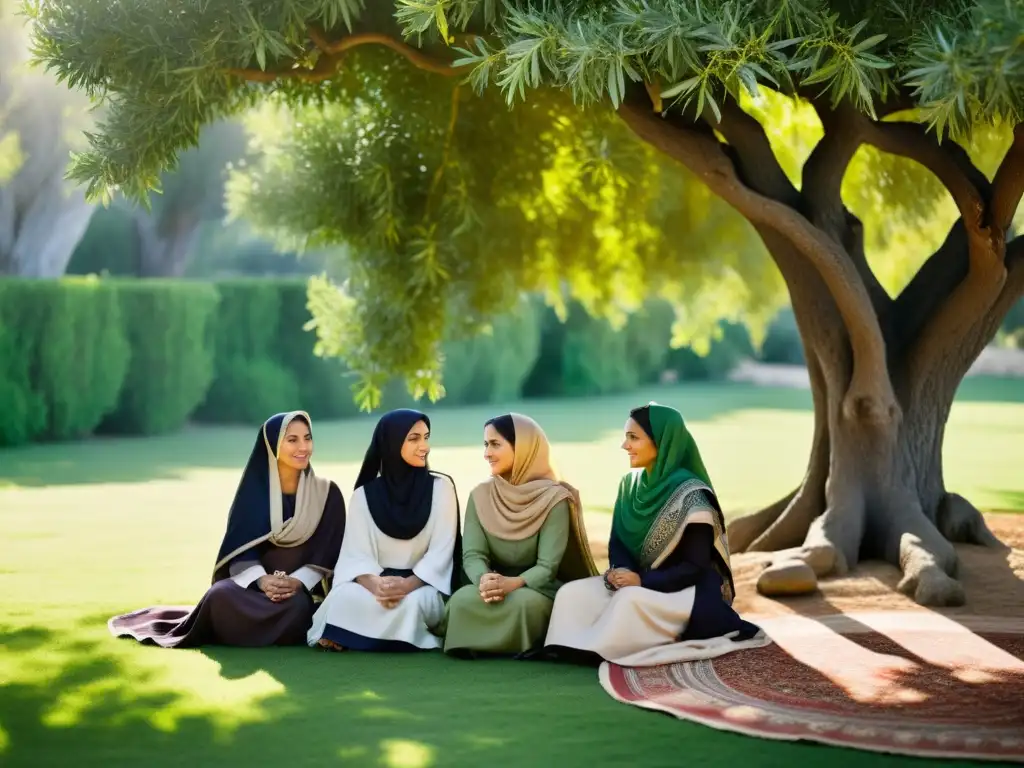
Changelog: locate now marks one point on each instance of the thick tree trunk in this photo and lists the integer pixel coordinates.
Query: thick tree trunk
(874, 489)
(39, 239)
(165, 244)
(883, 371)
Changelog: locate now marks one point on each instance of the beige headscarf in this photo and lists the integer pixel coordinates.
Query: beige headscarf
(516, 509)
(310, 499)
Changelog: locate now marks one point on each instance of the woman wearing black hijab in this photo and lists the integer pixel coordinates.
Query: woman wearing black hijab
(397, 563)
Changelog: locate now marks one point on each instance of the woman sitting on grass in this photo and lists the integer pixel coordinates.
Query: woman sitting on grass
(667, 595)
(397, 563)
(524, 537)
(283, 536)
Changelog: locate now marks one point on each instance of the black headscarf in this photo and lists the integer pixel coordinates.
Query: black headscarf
(400, 497)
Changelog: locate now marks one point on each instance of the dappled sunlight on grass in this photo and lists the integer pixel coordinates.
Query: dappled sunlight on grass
(402, 753)
(388, 713)
(81, 677)
(131, 523)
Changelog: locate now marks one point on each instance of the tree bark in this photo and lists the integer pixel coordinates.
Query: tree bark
(883, 372)
(165, 244)
(877, 491)
(42, 216)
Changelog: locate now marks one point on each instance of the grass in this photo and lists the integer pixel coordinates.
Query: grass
(105, 526)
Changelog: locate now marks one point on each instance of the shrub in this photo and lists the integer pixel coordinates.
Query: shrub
(169, 327)
(64, 356)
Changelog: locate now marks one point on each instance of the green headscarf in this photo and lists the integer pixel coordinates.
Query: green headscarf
(642, 495)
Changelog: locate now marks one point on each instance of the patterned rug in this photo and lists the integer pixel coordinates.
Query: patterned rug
(911, 683)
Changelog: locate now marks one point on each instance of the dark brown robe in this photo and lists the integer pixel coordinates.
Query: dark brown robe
(232, 615)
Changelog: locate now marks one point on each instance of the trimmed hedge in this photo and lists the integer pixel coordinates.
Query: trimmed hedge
(64, 358)
(587, 356)
(492, 367)
(264, 361)
(144, 356)
(167, 324)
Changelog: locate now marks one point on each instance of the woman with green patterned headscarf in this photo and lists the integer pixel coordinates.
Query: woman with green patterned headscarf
(667, 594)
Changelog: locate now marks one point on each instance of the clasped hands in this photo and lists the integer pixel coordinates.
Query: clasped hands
(494, 587)
(618, 578)
(279, 586)
(389, 590)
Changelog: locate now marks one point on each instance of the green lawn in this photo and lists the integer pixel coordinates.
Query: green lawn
(105, 526)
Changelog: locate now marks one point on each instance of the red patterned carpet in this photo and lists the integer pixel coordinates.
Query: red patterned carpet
(916, 683)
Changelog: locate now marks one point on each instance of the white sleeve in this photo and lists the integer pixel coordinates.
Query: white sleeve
(249, 575)
(435, 567)
(358, 554)
(310, 577)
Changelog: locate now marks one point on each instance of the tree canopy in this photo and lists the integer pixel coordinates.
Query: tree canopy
(432, 180)
(811, 119)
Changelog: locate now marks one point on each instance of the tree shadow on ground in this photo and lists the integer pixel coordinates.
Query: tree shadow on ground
(858, 671)
(110, 703)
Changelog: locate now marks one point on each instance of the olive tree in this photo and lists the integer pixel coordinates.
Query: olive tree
(928, 81)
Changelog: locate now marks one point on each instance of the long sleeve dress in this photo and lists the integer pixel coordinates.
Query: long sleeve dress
(520, 621)
(676, 614)
(234, 611)
(351, 615)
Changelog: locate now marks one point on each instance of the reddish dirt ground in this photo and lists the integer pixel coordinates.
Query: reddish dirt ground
(993, 580)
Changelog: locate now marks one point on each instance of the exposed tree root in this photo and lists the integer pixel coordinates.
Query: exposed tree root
(927, 559)
(744, 530)
(960, 521)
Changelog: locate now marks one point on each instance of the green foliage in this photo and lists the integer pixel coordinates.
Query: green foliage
(168, 326)
(450, 207)
(783, 345)
(448, 227)
(586, 355)
(264, 361)
(731, 344)
(491, 367)
(11, 156)
(1013, 326)
(65, 358)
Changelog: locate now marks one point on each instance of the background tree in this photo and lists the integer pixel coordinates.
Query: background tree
(161, 240)
(915, 79)
(193, 194)
(42, 216)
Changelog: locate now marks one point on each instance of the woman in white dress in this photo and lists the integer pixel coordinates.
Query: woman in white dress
(667, 596)
(397, 562)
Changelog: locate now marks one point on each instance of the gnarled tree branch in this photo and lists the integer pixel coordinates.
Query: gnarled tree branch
(972, 278)
(1008, 185)
(758, 166)
(331, 54)
(821, 188)
(869, 397)
(825, 168)
(929, 287)
(949, 161)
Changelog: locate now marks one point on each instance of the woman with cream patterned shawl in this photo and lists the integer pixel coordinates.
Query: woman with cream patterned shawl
(667, 595)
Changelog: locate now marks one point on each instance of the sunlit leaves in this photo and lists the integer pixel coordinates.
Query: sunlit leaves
(449, 207)
(447, 223)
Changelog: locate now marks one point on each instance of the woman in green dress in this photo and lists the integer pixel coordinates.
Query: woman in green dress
(523, 538)
(667, 595)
